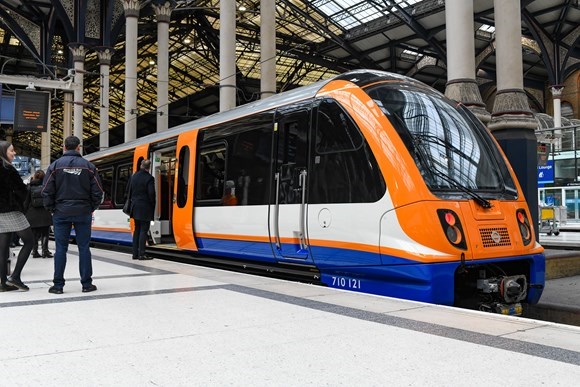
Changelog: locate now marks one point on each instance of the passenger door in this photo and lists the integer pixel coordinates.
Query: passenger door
(288, 206)
(163, 170)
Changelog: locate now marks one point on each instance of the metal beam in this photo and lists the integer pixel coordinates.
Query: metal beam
(39, 82)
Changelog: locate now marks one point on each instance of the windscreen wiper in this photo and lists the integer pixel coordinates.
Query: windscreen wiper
(420, 151)
(478, 199)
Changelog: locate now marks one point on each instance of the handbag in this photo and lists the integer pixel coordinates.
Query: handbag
(127, 206)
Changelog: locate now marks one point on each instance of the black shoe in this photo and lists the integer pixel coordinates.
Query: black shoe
(16, 282)
(7, 288)
(47, 254)
(90, 288)
(135, 257)
(35, 254)
(145, 258)
(55, 290)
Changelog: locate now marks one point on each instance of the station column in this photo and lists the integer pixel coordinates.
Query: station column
(131, 8)
(268, 49)
(67, 114)
(461, 84)
(163, 14)
(78, 51)
(512, 122)
(227, 55)
(557, 97)
(105, 54)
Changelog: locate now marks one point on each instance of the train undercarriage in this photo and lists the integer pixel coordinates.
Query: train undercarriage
(497, 288)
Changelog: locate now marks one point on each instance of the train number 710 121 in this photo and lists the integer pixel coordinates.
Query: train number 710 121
(345, 282)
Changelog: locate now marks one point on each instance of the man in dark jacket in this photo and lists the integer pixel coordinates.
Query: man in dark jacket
(142, 188)
(72, 190)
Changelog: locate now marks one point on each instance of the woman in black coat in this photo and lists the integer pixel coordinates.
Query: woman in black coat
(39, 218)
(12, 220)
(142, 193)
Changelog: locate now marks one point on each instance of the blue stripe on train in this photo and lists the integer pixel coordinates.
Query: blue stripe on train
(117, 237)
(361, 271)
(432, 283)
(364, 272)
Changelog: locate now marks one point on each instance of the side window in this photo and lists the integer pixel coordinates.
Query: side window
(233, 168)
(183, 176)
(106, 175)
(344, 169)
(211, 167)
(249, 162)
(123, 176)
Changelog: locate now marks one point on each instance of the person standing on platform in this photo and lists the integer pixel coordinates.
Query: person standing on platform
(39, 217)
(12, 220)
(142, 191)
(72, 190)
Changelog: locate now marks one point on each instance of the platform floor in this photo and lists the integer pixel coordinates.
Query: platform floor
(169, 324)
(567, 238)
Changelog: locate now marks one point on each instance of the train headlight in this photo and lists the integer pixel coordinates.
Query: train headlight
(524, 226)
(452, 228)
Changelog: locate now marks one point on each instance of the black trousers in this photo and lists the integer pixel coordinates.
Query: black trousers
(140, 237)
(5, 239)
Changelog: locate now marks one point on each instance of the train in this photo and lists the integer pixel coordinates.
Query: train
(375, 181)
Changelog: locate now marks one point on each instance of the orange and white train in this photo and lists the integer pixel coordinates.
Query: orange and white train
(375, 180)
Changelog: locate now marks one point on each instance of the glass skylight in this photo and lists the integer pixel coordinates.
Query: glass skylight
(352, 13)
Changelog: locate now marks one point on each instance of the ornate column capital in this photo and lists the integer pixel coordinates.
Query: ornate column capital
(131, 8)
(557, 91)
(163, 10)
(79, 51)
(105, 54)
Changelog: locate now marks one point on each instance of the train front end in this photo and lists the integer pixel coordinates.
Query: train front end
(459, 217)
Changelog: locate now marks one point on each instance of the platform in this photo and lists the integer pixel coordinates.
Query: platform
(170, 324)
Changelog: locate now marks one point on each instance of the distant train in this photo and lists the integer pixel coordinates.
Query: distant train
(373, 179)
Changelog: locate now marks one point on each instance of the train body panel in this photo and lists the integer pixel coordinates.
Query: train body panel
(111, 226)
(373, 178)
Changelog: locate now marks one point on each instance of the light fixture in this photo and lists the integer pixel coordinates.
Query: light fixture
(186, 40)
(151, 62)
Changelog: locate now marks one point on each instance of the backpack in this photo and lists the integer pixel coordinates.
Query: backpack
(36, 200)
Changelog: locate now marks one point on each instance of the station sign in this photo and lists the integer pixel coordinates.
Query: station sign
(546, 172)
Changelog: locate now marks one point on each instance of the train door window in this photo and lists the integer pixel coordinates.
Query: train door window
(183, 176)
(124, 173)
(344, 168)
(211, 173)
(291, 151)
(106, 175)
(165, 182)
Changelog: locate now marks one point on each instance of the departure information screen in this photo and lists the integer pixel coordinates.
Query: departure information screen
(31, 110)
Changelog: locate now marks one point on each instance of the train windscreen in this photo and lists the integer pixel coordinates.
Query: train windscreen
(452, 149)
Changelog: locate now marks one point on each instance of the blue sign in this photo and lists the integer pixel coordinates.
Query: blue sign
(546, 172)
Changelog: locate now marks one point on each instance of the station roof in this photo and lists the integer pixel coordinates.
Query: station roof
(315, 39)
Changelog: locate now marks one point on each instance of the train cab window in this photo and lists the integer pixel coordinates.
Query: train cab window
(106, 175)
(212, 166)
(344, 169)
(183, 176)
(123, 175)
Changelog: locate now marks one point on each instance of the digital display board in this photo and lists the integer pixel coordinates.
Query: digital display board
(31, 110)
